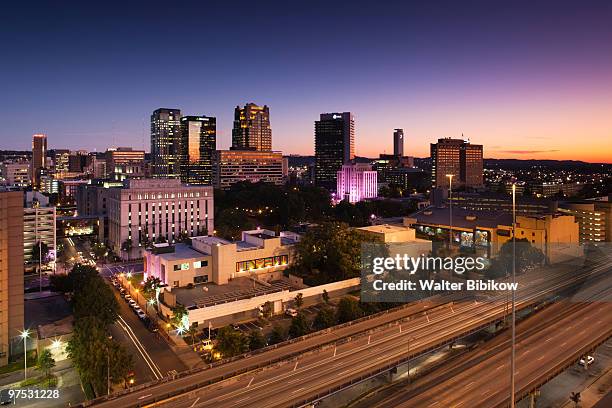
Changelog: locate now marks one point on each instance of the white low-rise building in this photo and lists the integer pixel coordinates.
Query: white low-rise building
(260, 254)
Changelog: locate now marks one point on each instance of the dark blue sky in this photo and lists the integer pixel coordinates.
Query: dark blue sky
(513, 76)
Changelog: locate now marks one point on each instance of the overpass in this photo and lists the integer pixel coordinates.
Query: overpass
(313, 375)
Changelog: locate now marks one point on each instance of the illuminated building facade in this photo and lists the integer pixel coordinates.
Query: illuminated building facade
(198, 143)
(252, 129)
(594, 218)
(16, 174)
(39, 156)
(457, 157)
(233, 166)
(124, 162)
(150, 210)
(165, 143)
(334, 146)
(356, 182)
(11, 272)
(259, 253)
(39, 224)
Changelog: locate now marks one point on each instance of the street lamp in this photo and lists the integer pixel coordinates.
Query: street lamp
(24, 335)
(150, 302)
(513, 351)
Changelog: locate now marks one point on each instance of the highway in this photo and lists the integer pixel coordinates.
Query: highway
(546, 344)
(316, 372)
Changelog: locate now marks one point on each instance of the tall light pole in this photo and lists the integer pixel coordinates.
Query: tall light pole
(513, 351)
(450, 212)
(450, 217)
(24, 335)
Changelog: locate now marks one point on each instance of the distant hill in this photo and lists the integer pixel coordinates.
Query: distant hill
(516, 164)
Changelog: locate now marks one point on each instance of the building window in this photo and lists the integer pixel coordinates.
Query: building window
(200, 279)
(200, 264)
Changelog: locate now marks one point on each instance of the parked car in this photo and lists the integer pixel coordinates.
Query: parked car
(142, 315)
(132, 303)
(291, 312)
(586, 361)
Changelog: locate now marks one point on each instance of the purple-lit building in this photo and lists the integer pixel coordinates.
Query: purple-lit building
(356, 182)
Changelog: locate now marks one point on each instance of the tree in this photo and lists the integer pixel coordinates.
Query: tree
(299, 326)
(192, 331)
(95, 298)
(348, 310)
(277, 335)
(527, 257)
(325, 297)
(150, 285)
(45, 363)
(325, 318)
(61, 283)
(267, 309)
(178, 312)
(256, 340)
(99, 250)
(231, 342)
(299, 300)
(40, 251)
(328, 253)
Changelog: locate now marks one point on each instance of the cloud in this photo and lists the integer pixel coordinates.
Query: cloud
(526, 151)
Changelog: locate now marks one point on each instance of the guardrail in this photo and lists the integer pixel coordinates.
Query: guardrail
(269, 362)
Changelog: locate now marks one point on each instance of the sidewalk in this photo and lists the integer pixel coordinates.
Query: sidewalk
(594, 391)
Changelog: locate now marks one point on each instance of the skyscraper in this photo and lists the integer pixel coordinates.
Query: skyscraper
(11, 271)
(334, 146)
(457, 157)
(252, 129)
(165, 143)
(398, 142)
(39, 154)
(198, 142)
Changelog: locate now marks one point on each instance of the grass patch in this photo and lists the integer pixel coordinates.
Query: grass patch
(18, 365)
(43, 381)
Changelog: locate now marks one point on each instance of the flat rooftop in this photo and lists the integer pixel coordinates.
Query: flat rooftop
(384, 228)
(181, 251)
(462, 218)
(210, 294)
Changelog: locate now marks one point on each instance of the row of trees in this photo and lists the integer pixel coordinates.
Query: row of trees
(231, 342)
(95, 354)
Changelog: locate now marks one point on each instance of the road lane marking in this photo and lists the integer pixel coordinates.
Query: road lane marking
(298, 390)
(250, 382)
(243, 399)
(194, 402)
(295, 368)
(144, 396)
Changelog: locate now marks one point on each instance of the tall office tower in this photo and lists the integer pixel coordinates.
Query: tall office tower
(252, 129)
(198, 143)
(398, 142)
(165, 143)
(11, 272)
(334, 146)
(457, 157)
(61, 161)
(39, 154)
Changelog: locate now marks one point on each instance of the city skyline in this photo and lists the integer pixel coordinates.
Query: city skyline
(539, 92)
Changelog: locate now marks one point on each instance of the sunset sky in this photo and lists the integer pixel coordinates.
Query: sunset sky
(526, 79)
